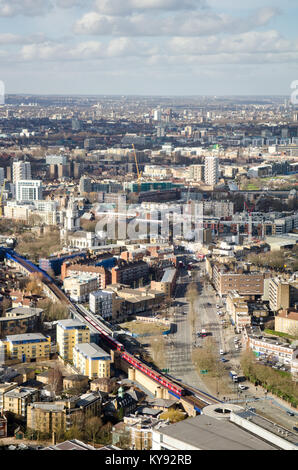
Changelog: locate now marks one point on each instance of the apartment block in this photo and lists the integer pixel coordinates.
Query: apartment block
(245, 283)
(167, 283)
(69, 334)
(103, 276)
(287, 322)
(279, 294)
(79, 287)
(91, 360)
(62, 415)
(270, 347)
(101, 303)
(16, 400)
(211, 171)
(26, 347)
(130, 273)
(20, 320)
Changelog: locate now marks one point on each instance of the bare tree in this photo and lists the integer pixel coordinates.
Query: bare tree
(93, 426)
(56, 379)
(192, 295)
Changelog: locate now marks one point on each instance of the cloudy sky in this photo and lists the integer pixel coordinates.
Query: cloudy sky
(174, 47)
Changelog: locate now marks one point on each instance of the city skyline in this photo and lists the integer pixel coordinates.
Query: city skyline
(148, 47)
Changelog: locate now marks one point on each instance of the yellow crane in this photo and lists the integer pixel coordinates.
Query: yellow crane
(138, 171)
(1, 198)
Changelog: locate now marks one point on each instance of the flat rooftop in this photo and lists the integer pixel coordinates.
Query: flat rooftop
(205, 433)
(269, 426)
(26, 337)
(92, 351)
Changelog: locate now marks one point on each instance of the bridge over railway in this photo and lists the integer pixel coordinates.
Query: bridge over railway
(162, 385)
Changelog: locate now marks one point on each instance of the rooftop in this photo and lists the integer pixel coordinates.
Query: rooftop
(206, 433)
(92, 351)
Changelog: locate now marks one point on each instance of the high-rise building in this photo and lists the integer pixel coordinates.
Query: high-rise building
(2, 176)
(90, 143)
(75, 124)
(157, 115)
(28, 190)
(56, 160)
(85, 185)
(21, 171)
(211, 170)
(279, 294)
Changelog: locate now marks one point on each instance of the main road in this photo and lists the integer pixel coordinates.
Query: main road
(179, 347)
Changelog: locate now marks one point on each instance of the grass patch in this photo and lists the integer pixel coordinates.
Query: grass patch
(141, 328)
(278, 333)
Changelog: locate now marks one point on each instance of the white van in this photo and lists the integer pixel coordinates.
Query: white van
(221, 352)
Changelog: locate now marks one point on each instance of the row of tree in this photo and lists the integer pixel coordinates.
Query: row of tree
(277, 382)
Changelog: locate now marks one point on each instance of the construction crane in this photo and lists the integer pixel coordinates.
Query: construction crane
(138, 171)
(1, 198)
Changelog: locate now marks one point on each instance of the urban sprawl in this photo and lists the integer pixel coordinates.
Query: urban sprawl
(148, 273)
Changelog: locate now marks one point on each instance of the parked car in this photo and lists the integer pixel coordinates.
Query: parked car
(290, 413)
(242, 387)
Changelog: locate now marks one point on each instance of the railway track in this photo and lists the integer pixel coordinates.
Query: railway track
(194, 397)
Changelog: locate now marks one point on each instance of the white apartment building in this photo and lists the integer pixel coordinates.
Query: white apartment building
(211, 170)
(21, 171)
(79, 287)
(28, 190)
(101, 303)
(56, 159)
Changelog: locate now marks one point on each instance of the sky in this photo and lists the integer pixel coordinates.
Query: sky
(149, 47)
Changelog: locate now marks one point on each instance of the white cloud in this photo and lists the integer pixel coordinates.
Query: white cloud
(127, 7)
(250, 42)
(87, 50)
(24, 7)
(198, 23)
(72, 3)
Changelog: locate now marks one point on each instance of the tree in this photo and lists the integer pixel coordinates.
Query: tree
(6, 304)
(174, 416)
(92, 428)
(56, 379)
(192, 295)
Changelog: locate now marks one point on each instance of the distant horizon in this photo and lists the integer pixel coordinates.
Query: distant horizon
(214, 95)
